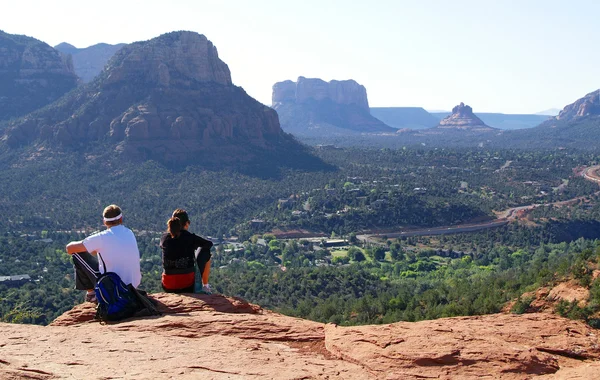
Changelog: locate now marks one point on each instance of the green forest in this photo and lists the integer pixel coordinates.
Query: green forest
(49, 203)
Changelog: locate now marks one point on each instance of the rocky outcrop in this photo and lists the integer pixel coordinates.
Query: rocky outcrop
(313, 107)
(32, 75)
(463, 118)
(306, 89)
(89, 62)
(589, 105)
(242, 340)
(169, 60)
(576, 126)
(170, 98)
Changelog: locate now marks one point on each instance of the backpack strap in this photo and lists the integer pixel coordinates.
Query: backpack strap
(103, 263)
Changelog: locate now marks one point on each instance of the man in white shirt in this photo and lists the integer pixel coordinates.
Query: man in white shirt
(117, 248)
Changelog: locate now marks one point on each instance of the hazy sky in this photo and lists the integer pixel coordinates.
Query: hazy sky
(513, 56)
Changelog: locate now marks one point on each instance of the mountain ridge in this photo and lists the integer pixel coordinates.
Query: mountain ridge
(170, 99)
(32, 75)
(90, 61)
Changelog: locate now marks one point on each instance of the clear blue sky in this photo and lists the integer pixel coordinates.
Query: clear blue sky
(498, 56)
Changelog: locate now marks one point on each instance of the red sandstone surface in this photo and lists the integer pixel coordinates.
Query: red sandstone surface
(216, 337)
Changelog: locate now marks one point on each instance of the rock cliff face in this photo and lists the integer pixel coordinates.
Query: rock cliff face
(463, 118)
(32, 75)
(89, 62)
(312, 106)
(169, 60)
(589, 105)
(305, 89)
(577, 126)
(243, 341)
(170, 98)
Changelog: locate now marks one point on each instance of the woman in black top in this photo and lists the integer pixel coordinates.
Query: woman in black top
(178, 256)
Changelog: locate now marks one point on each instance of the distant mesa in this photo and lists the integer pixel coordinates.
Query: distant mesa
(405, 117)
(89, 62)
(463, 118)
(32, 75)
(170, 99)
(311, 106)
(306, 89)
(549, 112)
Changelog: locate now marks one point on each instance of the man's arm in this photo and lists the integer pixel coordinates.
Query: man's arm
(76, 247)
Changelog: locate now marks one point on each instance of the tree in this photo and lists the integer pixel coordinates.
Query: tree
(396, 251)
(356, 254)
(268, 237)
(379, 253)
(352, 238)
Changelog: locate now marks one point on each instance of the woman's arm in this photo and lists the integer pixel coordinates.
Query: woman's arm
(200, 242)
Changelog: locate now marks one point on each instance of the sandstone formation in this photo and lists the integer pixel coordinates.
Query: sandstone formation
(311, 106)
(89, 62)
(463, 118)
(576, 126)
(32, 75)
(218, 337)
(589, 105)
(170, 98)
(305, 89)
(504, 121)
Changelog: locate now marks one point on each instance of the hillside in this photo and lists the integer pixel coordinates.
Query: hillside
(313, 107)
(88, 62)
(241, 340)
(170, 99)
(576, 126)
(32, 75)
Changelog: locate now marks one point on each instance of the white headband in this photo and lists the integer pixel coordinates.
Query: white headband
(113, 219)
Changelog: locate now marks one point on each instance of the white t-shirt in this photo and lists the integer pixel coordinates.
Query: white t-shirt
(119, 250)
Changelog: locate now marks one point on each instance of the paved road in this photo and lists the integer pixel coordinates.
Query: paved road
(591, 174)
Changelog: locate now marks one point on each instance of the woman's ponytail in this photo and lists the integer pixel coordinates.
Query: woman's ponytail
(174, 227)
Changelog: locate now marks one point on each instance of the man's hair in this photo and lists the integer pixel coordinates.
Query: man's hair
(182, 215)
(111, 212)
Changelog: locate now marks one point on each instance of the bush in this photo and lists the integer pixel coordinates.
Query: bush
(521, 306)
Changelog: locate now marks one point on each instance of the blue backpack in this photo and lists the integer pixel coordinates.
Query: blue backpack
(116, 300)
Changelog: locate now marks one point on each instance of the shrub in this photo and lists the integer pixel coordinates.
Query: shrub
(521, 306)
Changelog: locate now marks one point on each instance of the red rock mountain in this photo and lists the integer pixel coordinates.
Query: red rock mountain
(340, 92)
(170, 98)
(463, 118)
(313, 107)
(215, 337)
(32, 75)
(589, 105)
